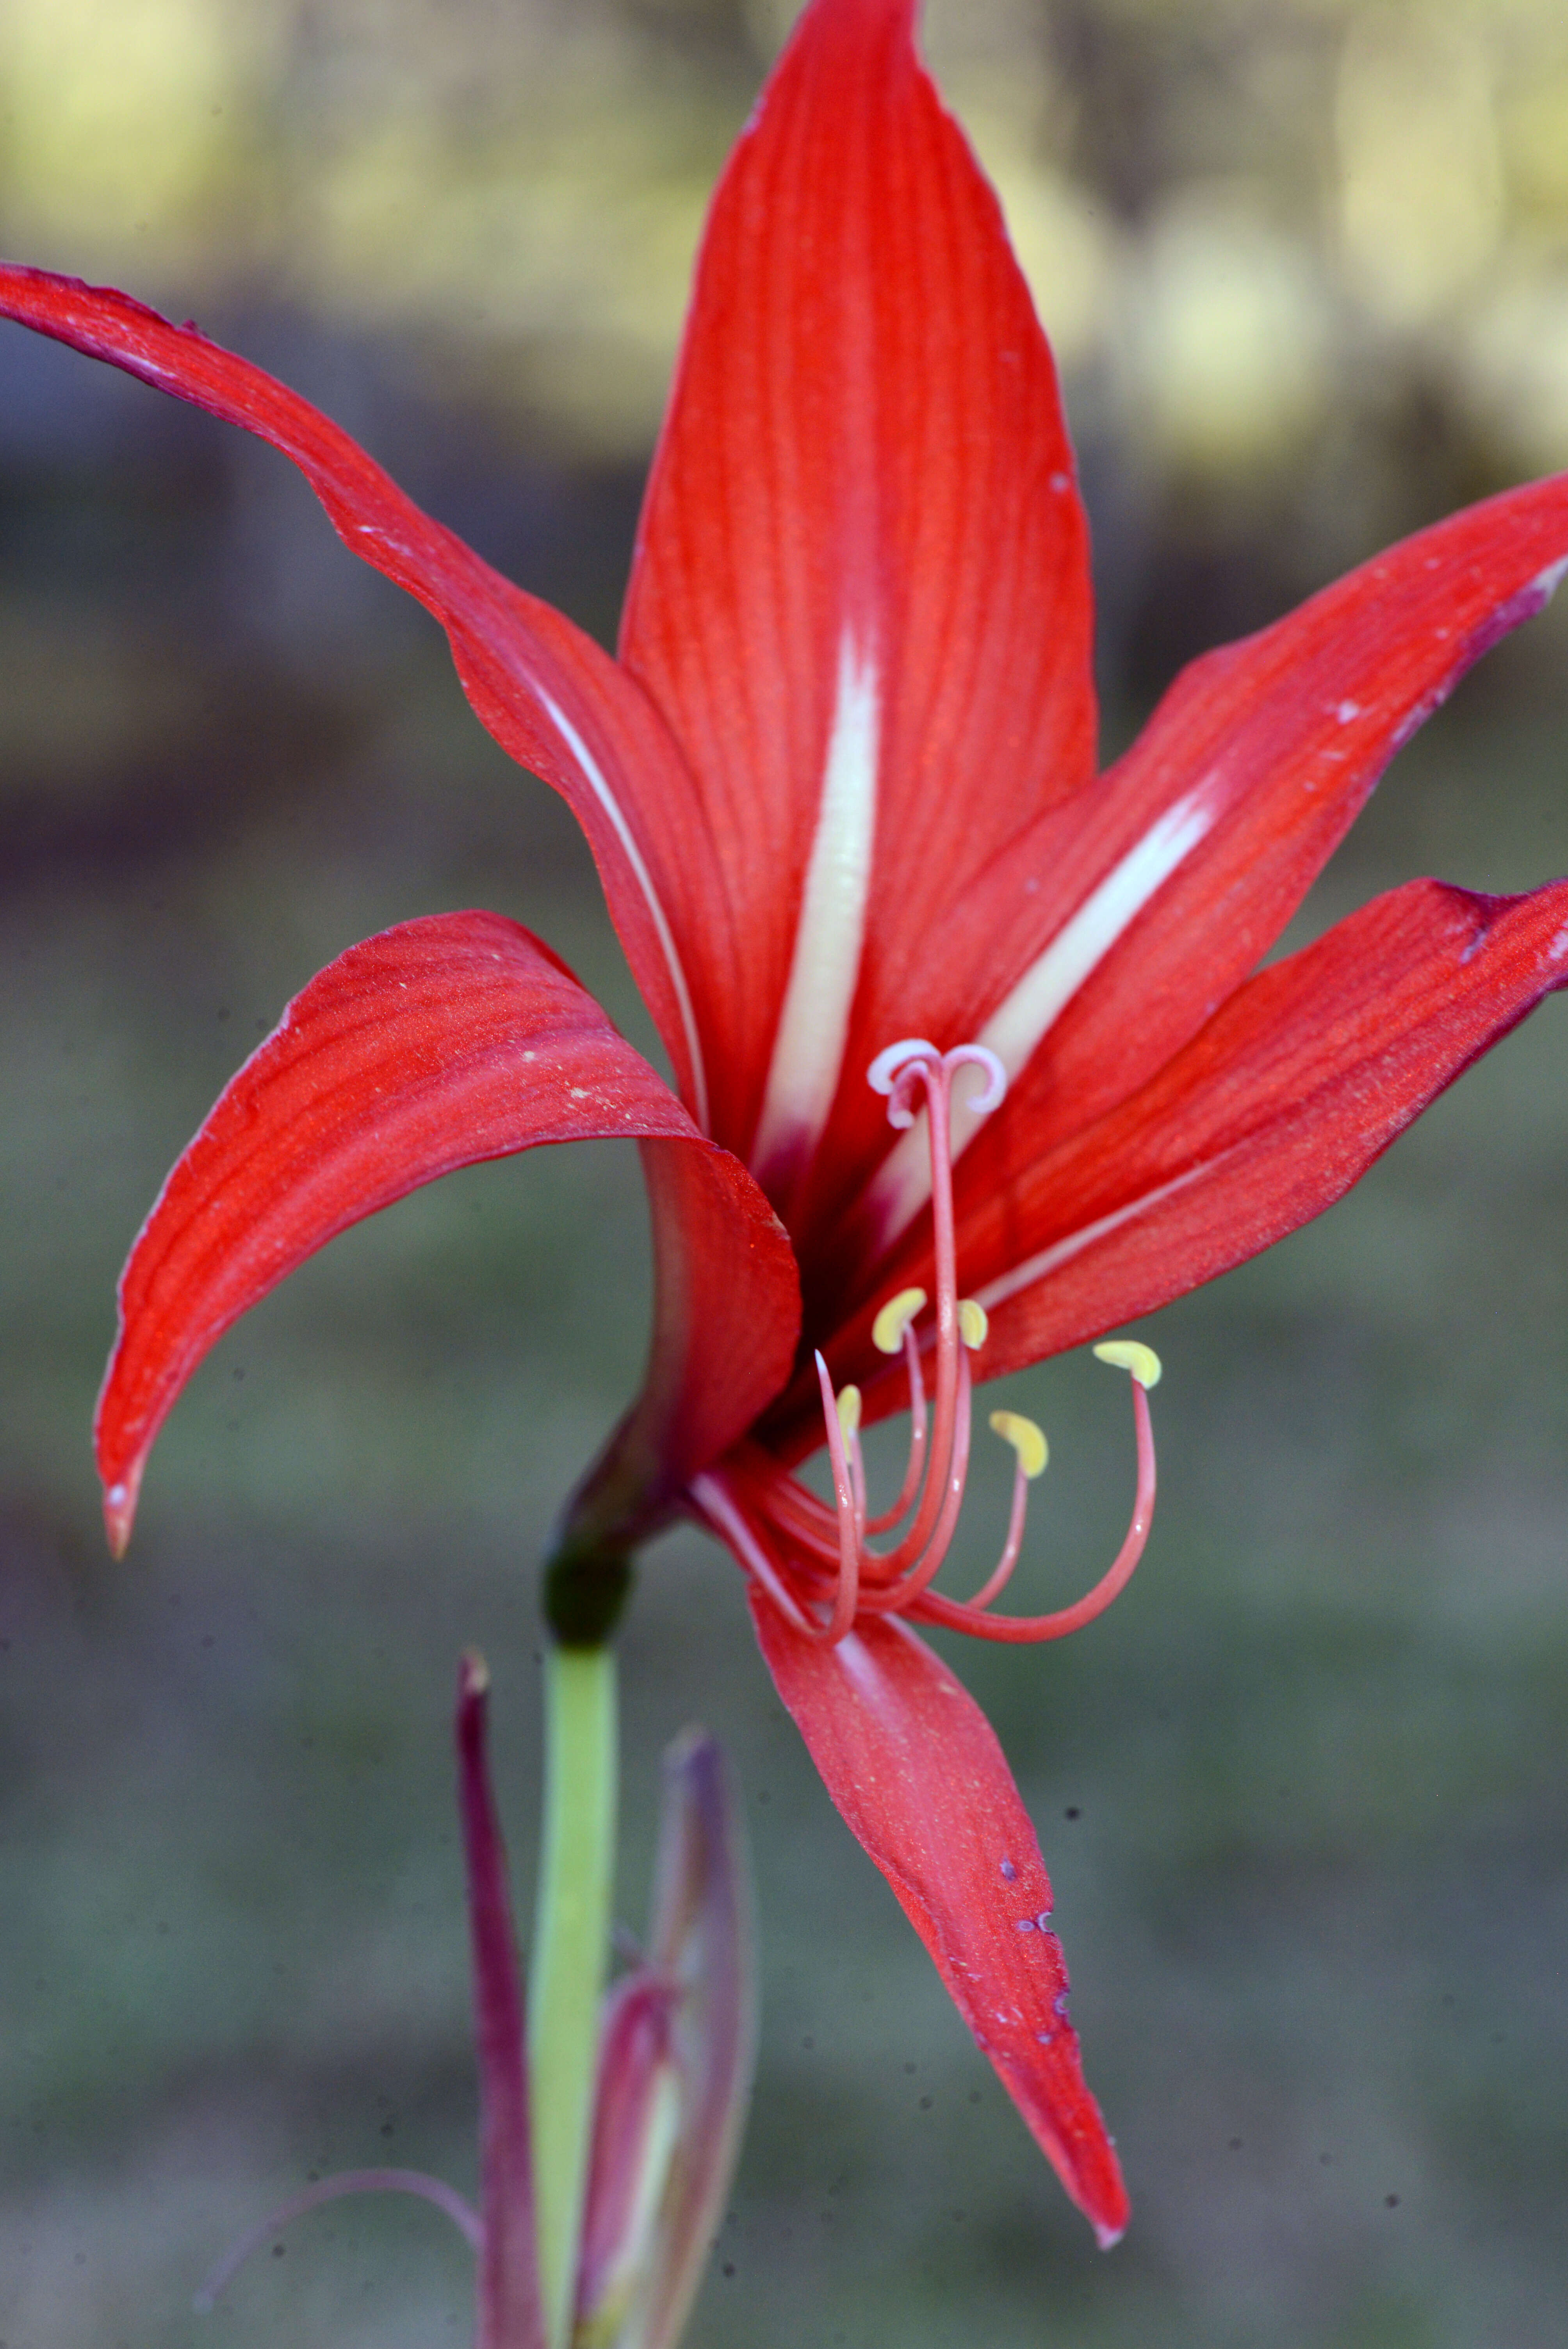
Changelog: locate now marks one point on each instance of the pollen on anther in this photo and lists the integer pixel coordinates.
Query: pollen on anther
(1027, 1439)
(888, 1328)
(974, 1325)
(848, 1404)
(1127, 1354)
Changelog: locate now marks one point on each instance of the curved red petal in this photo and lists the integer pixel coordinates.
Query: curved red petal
(545, 690)
(726, 1316)
(1275, 1109)
(916, 1770)
(864, 474)
(432, 1045)
(1239, 789)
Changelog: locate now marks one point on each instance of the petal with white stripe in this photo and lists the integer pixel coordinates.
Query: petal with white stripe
(809, 1050)
(1031, 1008)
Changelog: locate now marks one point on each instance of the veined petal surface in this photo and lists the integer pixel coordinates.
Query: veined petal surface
(1238, 791)
(916, 1770)
(548, 693)
(1270, 1114)
(860, 595)
(433, 1045)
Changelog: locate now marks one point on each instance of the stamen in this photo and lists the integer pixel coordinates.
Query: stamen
(808, 1558)
(916, 1460)
(1031, 1453)
(848, 1410)
(888, 1328)
(841, 1620)
(1027, 1439)
(712, 1498)
(1062, 1620)
(899, 1585)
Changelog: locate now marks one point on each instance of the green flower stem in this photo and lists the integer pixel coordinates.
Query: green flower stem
(571, 1929)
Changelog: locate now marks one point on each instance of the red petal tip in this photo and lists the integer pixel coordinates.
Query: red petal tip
(119, 1501)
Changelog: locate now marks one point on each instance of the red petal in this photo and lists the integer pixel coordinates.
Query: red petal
(433, 1045)
(510, 2315)
(865, 438)
(1282, 1102)
(622, 776)
(1276, 742)
(916, 1769)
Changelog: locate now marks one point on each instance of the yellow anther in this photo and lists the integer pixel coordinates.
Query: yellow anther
(888, 1328)
(1127, 1354)
(849, 1411)
(973, 1324)
(1027, 1439)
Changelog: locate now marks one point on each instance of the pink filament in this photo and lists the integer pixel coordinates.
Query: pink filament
(813, 1561)
(911, 1484)
(960, 1616)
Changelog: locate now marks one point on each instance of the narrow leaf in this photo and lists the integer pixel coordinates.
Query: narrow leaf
(511, 2312)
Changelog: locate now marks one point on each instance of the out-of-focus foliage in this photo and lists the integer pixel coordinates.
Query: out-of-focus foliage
(1237, 217)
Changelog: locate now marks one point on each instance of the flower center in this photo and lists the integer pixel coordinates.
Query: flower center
(819, 1565)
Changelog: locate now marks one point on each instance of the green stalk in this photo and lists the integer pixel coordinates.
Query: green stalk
(572, 1930)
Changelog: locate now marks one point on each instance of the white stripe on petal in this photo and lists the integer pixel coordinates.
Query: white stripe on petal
(1035, 1268)
(644, 880)
(809, 1047)
(1015, 1030)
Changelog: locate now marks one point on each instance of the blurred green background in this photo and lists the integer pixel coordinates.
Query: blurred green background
(1303, 1790)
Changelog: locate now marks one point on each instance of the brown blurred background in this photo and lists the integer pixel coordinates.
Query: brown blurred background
(1307, 267)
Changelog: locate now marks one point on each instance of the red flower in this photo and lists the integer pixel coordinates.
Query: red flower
(841, 788)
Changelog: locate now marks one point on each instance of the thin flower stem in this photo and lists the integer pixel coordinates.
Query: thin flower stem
(330, 2189)
(571, 1942)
